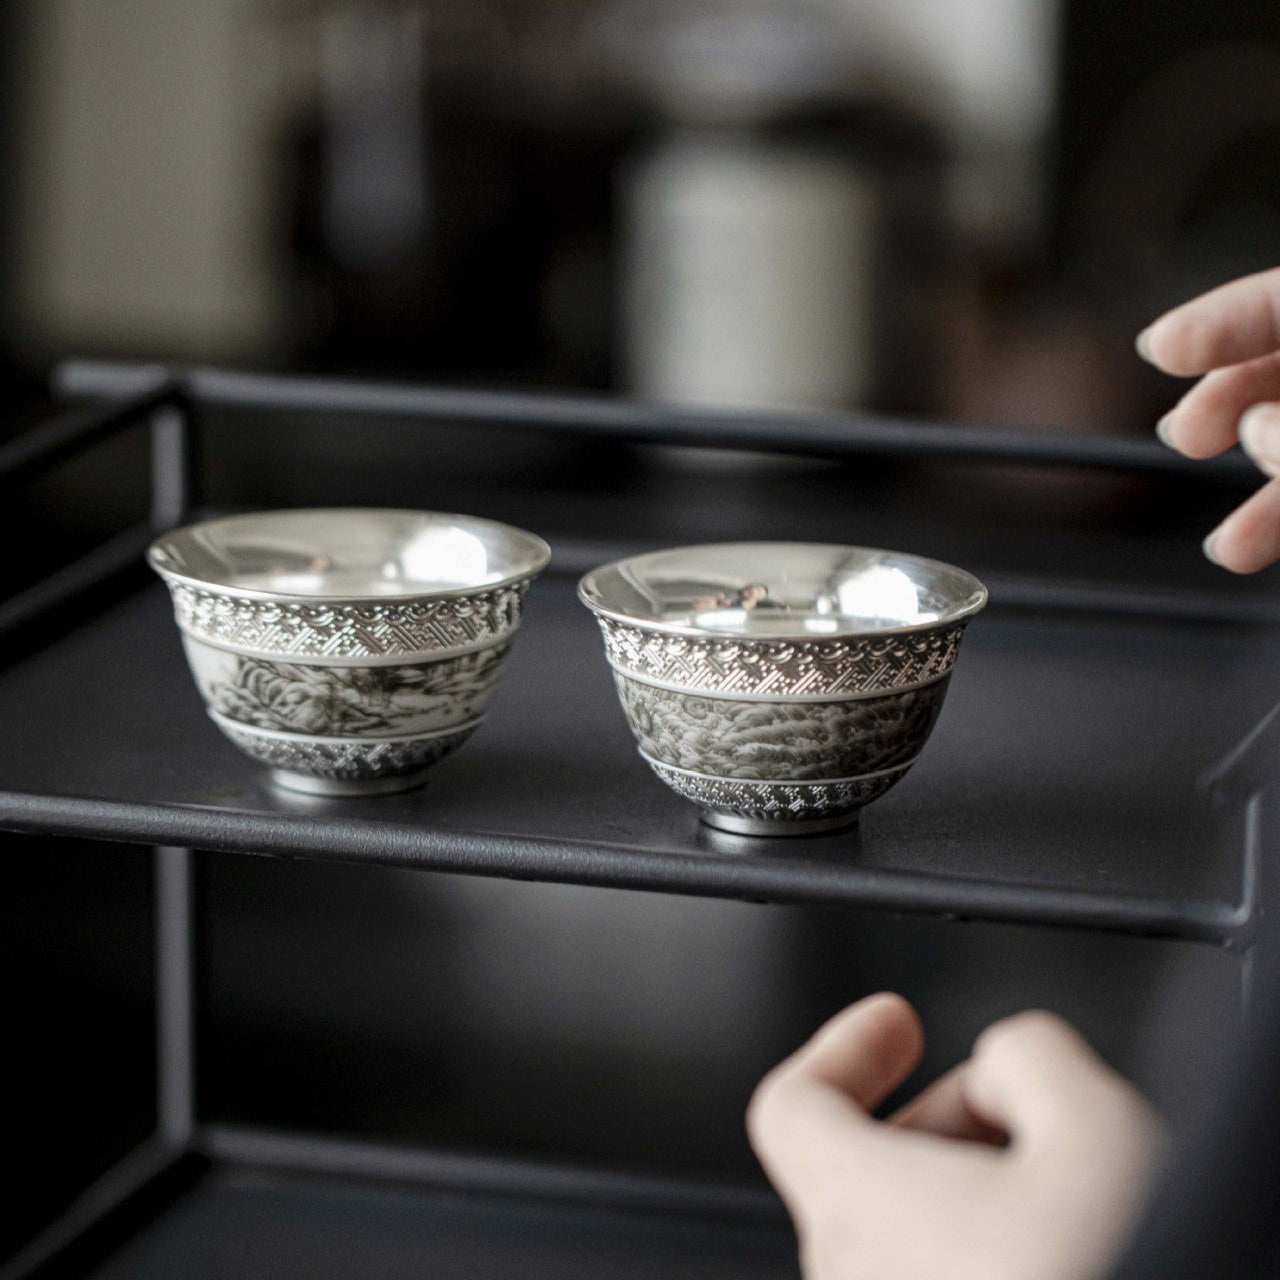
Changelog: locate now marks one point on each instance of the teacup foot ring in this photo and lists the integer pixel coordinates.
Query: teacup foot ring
(312, 785)
(740, 826)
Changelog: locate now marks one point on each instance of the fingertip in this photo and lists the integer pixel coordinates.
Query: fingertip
(882, 1010)
(1190, 435)
(1239, 551)
(890, 1004)
(898, 1019)
(1161, 344)
(866, 1050)
(755, 1117)
(1235, 322)
(1210, 551)
(1017, 1071)
(1035, 1026)
(1254, 417)
(1249, 538)
(1259, 433)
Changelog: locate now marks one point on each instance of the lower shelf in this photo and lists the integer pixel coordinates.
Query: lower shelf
(281, 1207)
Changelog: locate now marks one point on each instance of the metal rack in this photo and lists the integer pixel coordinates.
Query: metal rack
(979, 832)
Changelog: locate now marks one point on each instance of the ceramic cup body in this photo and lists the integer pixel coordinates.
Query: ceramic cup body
(347, 650)
(781, 687)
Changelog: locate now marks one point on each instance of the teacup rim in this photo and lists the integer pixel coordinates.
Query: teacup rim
(969, 607)
(538, 559)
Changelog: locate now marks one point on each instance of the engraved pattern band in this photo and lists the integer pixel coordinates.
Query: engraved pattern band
(374, 630)
(830, 669)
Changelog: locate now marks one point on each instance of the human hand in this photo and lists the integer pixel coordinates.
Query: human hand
(1231, 335)
(1029, 1161)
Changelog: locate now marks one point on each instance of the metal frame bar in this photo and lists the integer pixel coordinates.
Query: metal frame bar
(150, 1173)
(44, 447)
(706, 875)
(1245, 942)
(175, 996)
(166, 407)
(148, 1176)
(91, 570)
(173, 479)
(1246, 774)
(816, 434)
(491, 1175)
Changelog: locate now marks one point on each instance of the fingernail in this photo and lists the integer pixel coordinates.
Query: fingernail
(1259, 432)
(1143, 344)
(1162, 430)
(1209, 553)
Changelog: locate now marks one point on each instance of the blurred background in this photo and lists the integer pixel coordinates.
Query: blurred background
(955, 208)
(960, 210)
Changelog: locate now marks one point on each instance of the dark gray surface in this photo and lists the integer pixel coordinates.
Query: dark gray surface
(1065, 761)
(248, 1224)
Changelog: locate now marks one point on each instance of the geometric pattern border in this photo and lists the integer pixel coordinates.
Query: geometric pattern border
(859, 665)
(365, 629)
(345, 760)
(776, 801)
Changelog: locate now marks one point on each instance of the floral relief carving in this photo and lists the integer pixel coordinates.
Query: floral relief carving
(799, 741)
(352, 701)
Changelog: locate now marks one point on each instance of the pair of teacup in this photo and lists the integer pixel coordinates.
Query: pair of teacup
(780, 686)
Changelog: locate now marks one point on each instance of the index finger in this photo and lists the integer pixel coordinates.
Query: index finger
(866, 1050)
(806, 1113)
(1234, 322)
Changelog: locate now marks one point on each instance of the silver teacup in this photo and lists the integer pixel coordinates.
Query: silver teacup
(347, 649)
(781, 686)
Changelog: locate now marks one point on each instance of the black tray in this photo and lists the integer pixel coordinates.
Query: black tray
(1063, 783)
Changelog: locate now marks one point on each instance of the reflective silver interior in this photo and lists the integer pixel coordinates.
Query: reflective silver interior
(349, 553)
(780, 589)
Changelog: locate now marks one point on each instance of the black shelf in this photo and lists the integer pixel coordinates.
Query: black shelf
(1062, 784)
(258, 1204)
(244, 1223)
(1102, 762)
